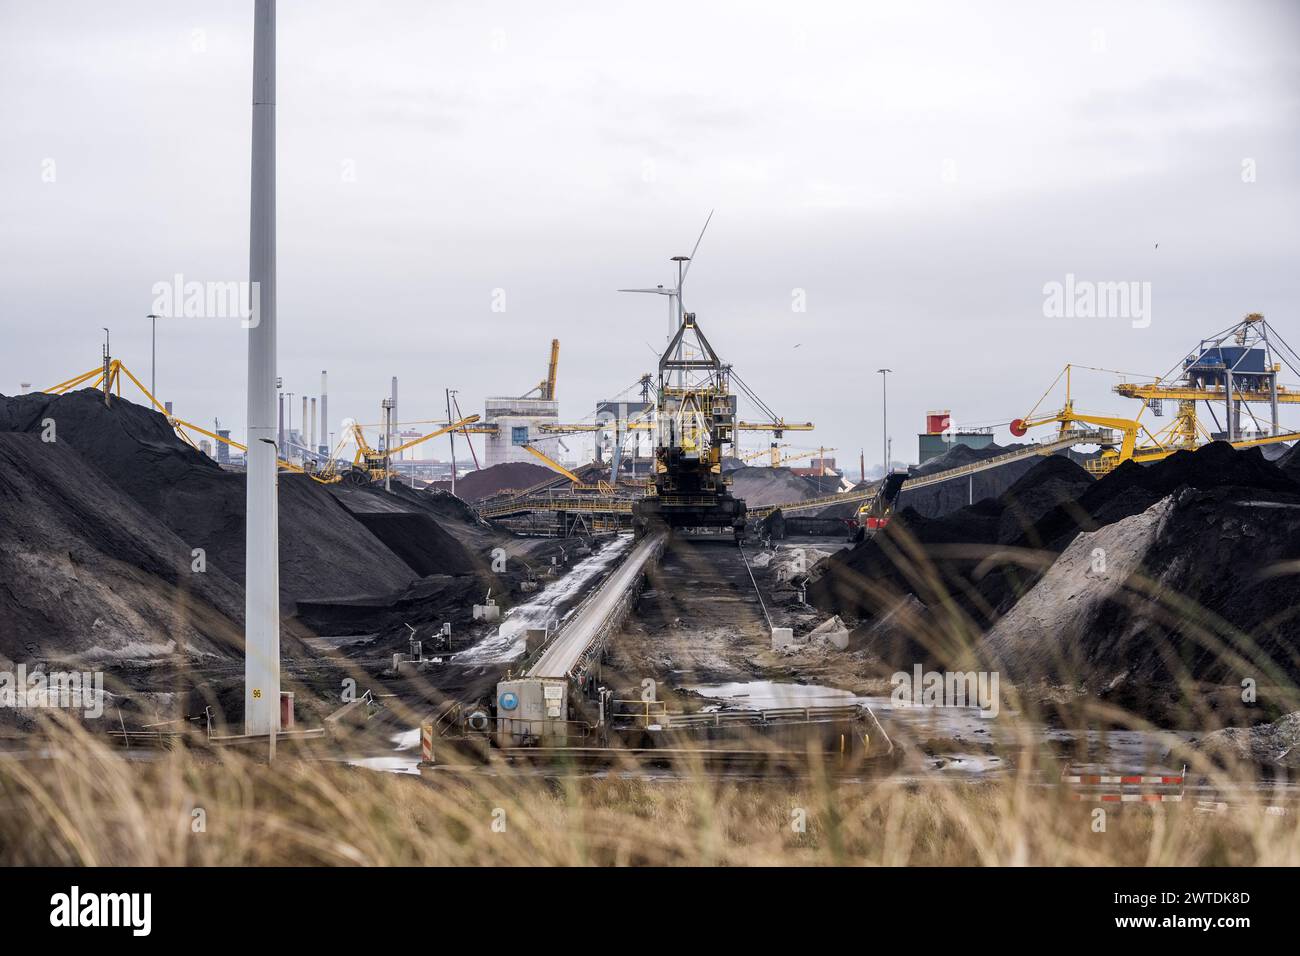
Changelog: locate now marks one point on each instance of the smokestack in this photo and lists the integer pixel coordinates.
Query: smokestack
(261, 529)
(394, 419)
(324, 416)
(302, 423)
(312, 443)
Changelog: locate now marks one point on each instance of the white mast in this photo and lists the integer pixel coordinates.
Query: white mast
(262, 534)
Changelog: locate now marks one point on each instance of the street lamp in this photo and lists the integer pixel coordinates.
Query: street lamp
(153, 356)
(884, 417)
(452, 435)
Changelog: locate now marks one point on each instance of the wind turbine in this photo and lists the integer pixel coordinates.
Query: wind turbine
(675, 293)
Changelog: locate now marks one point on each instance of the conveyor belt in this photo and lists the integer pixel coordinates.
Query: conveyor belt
(1041, 448)
(589, 621)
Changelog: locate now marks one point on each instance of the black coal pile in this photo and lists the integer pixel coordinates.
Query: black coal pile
(762, 487)
(1132, 488)
(417, 540)
(1289, 461)
(1153, 576)
(325, 550)
(88, 574)
(1195, 588)
(425, 605)
(935, 558)
(508, 476)
(433, 532)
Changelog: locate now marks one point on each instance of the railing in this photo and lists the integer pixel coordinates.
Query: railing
(593, 504)
(1101, 436)
(730, 718)
(649, 711)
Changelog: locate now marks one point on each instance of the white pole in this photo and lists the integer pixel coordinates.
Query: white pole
(884, 416)
(325, 414)
(262, 566)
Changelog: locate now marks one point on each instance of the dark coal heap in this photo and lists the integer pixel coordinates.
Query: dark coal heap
(122, 502)
(953, 544)
(982, 558)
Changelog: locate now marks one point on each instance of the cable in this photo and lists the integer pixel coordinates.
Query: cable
(752, 581)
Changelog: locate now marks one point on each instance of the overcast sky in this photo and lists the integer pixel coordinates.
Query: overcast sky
(920, 171)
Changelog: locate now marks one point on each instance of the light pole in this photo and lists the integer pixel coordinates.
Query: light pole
(153, 356)
(388, 405)
(452, 435)
(884, 416)
(108, 363)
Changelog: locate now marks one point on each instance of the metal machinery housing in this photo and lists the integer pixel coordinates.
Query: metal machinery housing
(696, 417)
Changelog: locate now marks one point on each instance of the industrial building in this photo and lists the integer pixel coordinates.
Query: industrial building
(517, 422)
(941, 435)
(818, 468)
(512, 424)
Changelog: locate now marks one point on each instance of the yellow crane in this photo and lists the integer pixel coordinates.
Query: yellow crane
(776, 458)
(108, 378)
(545, 389)
(762, 452)
(819, 452)
(1233, 369)
(1124, 431)
(372, 465)
(551, 463)
(778, 427)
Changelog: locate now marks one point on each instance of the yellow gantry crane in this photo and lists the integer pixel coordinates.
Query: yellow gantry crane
(108, 377)
(767, 453)
(778, 427)
(1229, 372)
(776, 459)
(369, 464)
(372, 465)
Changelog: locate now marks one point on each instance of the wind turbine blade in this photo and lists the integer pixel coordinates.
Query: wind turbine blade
(656, 291)
(687, 269)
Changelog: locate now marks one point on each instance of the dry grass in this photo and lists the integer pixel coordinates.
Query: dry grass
(87, 803)
(84, 802)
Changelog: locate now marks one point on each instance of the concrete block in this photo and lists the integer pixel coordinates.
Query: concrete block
(838, 640)
(535, 637)
(782, 637)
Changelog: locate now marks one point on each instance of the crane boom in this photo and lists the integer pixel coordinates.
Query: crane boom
(551, 463)
(551, 371)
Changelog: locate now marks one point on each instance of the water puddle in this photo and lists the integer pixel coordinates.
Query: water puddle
(959, 739)
(403, 743)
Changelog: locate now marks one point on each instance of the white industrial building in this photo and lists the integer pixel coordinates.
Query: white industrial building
(518, 421)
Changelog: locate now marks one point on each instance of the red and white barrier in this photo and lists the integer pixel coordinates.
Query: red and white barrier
(426, 743)
(1141, 785)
